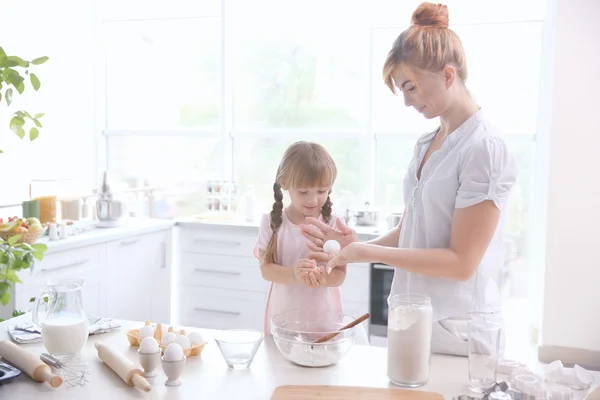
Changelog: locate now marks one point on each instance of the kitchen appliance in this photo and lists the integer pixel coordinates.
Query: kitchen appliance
(380, 288)
(7, 373)
(366, 216)
(393, 220)
(110, 210)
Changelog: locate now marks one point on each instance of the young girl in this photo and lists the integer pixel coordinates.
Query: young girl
(307, 172)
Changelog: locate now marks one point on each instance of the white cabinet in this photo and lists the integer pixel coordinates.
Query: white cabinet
(128, 278)
(85, 263)
(355, 291)
(138, 277)
(219, 284)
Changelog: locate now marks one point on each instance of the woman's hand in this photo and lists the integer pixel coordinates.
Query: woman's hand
(318, 232)
(349, 254)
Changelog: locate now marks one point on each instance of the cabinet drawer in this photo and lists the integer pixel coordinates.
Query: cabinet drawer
(218, 240)
(222, 272)
(221, 309)
(66, 264)
(356, 285)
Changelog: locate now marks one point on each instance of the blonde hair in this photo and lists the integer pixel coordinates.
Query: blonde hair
(427, 45)
(303, 165)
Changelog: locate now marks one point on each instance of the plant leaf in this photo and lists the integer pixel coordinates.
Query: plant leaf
(4, 293)
(39, 60)
(16, 313)
(38, 255)
(16, 125)
(35, 82)
(20, 87)
(25, 113)
(2, 53)
(8, 96)
(37, 123)
(33, 134)
(14, 61)
(31, 300)
(13, 239)
(12, 276)
(39, 115)
(39, 247)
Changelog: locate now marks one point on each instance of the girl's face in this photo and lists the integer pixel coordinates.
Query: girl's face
(309, 201)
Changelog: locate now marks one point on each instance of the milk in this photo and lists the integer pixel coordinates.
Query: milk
(409, 344)
(65, 336)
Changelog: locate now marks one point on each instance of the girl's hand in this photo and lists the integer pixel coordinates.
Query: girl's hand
(303, 268)
(349, 254)
(317, 278)
(318, 232)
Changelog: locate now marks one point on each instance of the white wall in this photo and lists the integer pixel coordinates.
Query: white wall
(572, 286)
(65, 148)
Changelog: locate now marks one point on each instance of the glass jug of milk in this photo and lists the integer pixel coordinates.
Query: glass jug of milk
(64, 327)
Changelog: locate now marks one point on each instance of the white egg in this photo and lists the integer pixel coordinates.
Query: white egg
(173, 352)
(149, 345)
(183, 341)
(331, 247)
(168, 338)
(196, 339)
(146, 331)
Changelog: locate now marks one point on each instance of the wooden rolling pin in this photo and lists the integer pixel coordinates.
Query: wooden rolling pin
(123, 367)
(29, 363)
(348, 326)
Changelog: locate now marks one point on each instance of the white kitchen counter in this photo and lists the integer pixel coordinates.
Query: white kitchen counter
(369, 231)
(133, 226)
(139, 226)
(207, 376)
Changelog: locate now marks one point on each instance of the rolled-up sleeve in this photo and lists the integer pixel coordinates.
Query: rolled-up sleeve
(488, 172)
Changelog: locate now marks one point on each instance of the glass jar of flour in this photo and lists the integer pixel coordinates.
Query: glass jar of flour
(409, 339)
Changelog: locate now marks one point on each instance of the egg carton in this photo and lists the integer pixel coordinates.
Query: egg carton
(135, 339)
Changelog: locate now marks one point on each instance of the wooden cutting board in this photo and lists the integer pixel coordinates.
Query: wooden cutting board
(350, 392)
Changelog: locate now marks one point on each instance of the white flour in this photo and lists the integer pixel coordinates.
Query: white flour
(318, 355)
(409, 344)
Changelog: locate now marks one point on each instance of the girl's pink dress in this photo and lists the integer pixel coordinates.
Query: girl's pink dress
(291, 247)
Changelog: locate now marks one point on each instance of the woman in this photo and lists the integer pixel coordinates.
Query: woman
(448, 244)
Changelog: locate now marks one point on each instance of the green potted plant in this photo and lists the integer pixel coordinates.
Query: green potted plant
(14, 257)
(14, 72)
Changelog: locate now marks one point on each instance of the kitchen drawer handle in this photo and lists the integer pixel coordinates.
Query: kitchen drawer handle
(383, 266)
(128, 242)
(199, 309)
(218, 271)
(71, 265)
(218, 243)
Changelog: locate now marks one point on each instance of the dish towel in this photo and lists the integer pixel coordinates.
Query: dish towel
(26, 332)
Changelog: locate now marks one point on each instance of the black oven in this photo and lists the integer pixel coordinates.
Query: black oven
(381, 285)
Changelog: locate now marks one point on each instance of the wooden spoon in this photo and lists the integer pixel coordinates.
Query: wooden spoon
(330, 336)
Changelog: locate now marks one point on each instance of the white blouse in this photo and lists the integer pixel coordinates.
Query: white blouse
(472, 165)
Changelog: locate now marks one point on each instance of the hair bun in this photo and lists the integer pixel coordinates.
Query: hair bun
(429, 14)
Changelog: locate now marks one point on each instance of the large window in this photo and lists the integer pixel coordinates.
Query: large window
(218, 93)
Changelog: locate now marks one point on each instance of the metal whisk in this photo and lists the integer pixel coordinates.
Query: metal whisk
(73, 369)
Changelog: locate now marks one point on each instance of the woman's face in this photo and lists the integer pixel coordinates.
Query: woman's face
(427, 92)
